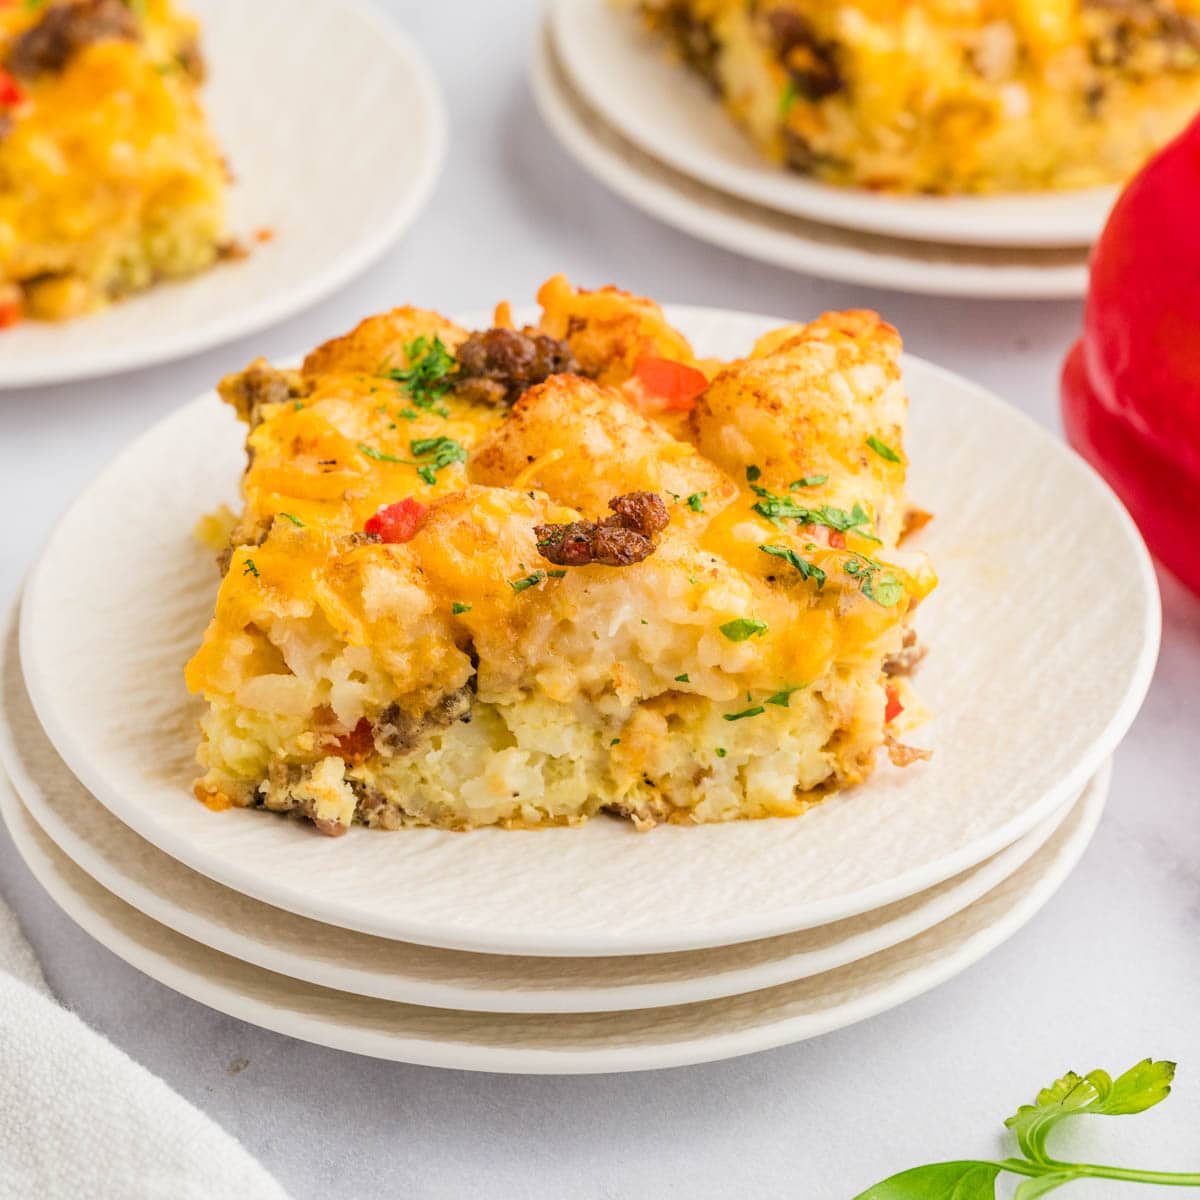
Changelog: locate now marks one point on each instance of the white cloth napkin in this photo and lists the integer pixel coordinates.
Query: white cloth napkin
(80, 1120)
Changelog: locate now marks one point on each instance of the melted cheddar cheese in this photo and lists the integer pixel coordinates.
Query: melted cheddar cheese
(455, 676)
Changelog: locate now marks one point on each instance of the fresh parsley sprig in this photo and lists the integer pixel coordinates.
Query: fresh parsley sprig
(777, 509)
(807, 570)
(1097, 1093)
(427, 378)
(432, 454)
(881, 586)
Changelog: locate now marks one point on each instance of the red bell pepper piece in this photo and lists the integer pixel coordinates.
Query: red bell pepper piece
(677, 383)
(397, 522)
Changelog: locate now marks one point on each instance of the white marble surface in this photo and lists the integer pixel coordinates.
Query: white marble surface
(1108, 973)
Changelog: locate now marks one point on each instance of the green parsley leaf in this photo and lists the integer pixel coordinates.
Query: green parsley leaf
(297, 405)
(753, 473)
(784, 697)
(520, 585)
(742, 628)
(721, 751)
(808, 481)
(378, 455)
(787, 98)
(459, 607)
(1097, 1093)
(248, 568)
(615, 742)
(682, 678)
(427, 376)
(883, 449)
(294, 520)
(807, 570)
(1140, 1088)
(939, 1181)
(885, 589)
(696, 501)
(409, 414)
(779, 508)
(756, 710)
(443, 450)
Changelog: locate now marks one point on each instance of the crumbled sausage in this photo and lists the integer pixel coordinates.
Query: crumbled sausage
(258, 385)
(66, 29)
(905, 660)
(399, 732)
(624, 538)
(496, 366)
(811, 64)
(643, 512)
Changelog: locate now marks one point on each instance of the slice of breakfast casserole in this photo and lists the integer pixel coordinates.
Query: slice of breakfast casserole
(109, 176)
(947, 95)
(518, 577)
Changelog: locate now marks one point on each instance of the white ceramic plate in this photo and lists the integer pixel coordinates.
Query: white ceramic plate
(1044, 634)
(564, 1044)
(646, 94)
(187, 902)
(334, 127)
(785, 240)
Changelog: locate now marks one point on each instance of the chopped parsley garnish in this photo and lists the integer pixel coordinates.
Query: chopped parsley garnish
(682, 678)
(297, 405)
(294, 520)
(520, 585)
(808, 481)
(779, 508)
(752, 473)
(248, 568)
(807, 570)
(427, 376)
(721, 751)
(884, 588)
(378, 455)
(755, 710)
(883, 449)
(441, 451)
(782, 698)
(742, 628)
(696, 501)
(459, 607)
(615, 742)
(409, 414)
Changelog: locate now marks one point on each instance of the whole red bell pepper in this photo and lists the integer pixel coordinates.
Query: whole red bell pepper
(1131, 384)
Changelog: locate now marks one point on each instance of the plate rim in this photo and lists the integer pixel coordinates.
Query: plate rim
(894, 215)
(546, 998)
(712, 221)
(475, 1056)
(103, 361)
(741, 929)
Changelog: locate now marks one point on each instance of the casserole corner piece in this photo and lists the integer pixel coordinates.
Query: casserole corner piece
(522, 576)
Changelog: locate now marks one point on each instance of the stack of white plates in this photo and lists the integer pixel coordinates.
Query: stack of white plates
(636, 119)
(599, 948)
